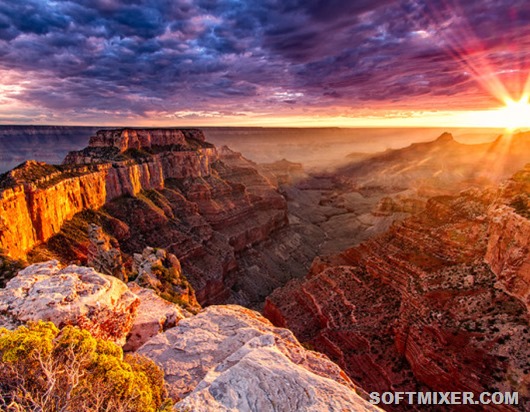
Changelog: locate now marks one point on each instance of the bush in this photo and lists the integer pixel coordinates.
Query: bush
(47, 369)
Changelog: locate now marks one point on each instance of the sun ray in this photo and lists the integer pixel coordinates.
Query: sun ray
(458, 38)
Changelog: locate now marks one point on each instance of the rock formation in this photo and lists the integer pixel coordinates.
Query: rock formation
(231, 358)
(443, 163)
(70, 296)
(154, 315)
(36, 198)
(440, 301)
(103, 256)
(162, 188)
(224, 358)
(161, 272)
(283, 172)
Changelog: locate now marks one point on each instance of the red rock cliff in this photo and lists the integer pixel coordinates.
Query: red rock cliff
(36, 198)
(164, 189)
(438, 302)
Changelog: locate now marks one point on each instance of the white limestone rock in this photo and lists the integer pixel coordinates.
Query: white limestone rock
(154, 316)
(228, 358)
(73, 295)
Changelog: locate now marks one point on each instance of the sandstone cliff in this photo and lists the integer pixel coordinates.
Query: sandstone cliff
(36, 198)
(163, 188)
(439, 301)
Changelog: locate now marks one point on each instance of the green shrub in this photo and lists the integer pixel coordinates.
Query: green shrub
(47, 369)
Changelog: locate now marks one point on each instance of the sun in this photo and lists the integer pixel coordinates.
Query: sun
(516, 114)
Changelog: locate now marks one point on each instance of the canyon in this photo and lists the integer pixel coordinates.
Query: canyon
(408, 268)
(224, 358)
(163, 188)
(438, 301)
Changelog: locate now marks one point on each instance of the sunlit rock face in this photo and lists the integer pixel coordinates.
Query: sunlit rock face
(438, 302)
(36, 199)
(163, 188)
(124, 139)
(73, 295)
(230, 358)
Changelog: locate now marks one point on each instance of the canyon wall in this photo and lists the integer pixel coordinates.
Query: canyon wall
(37, 198)
(162, 188)
(439, 302)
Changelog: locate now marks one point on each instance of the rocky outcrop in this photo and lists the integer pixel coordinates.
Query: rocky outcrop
(33, 210)
(438, 302)
(283, 172)
(103, 256)
(161, 272)
(154, 315)
(162, 188)
(231, 358)
(125, 139)
(36, 199)
(390, 205)
(70, 296)
(508, 251)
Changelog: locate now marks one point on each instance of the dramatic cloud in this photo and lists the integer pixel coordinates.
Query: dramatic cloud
(87, 60)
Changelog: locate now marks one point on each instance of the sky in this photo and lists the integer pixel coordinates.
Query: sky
(264, 62)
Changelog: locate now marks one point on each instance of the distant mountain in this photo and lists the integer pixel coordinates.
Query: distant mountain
(443, 162)
(317, 148)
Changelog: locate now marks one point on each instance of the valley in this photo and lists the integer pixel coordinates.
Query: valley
(388, 262)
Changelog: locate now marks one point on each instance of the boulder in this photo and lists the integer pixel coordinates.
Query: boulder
(73, 295)
(154, 316)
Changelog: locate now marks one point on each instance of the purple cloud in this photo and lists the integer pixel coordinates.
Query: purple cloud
(140, 57)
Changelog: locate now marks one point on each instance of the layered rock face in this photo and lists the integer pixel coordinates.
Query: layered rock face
(70, 296)
(103, 256)
(163, 188)
(230, 358)
(440, 301)
(36, 198)
(125, 139)
(508, 251)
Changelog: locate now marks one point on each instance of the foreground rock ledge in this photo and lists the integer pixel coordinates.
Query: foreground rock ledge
(228, 358)
(74, 295)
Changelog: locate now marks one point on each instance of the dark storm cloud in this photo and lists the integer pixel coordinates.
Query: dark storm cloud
(143, 56)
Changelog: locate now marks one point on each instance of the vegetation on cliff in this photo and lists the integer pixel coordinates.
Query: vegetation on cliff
(44, 368)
